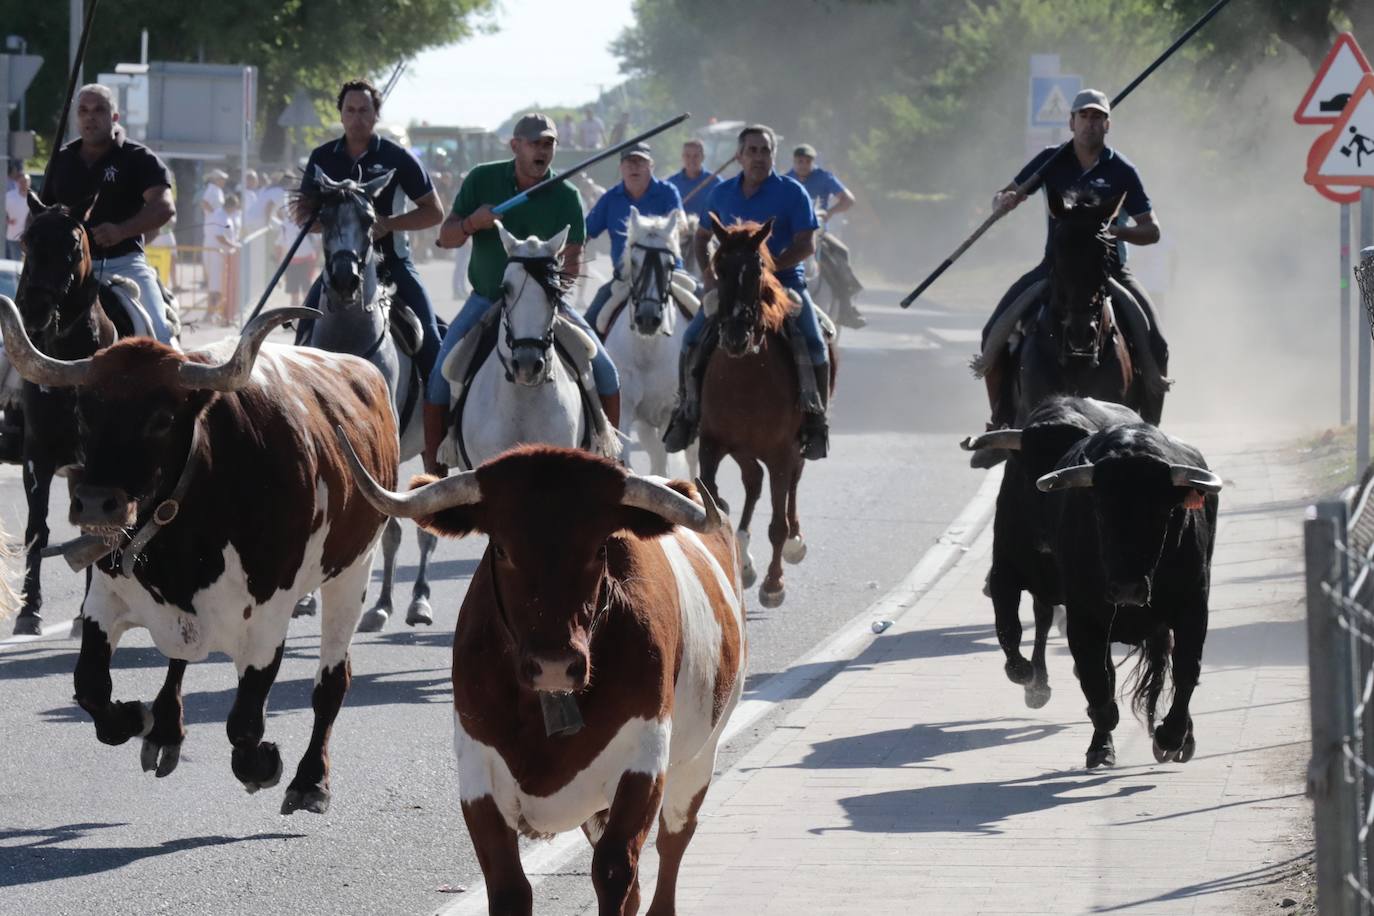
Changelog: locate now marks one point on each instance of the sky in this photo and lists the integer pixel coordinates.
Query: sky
(541, 54)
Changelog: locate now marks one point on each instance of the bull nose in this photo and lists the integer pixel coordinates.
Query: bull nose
(91, 505)
(1129, 592)
(557, 673)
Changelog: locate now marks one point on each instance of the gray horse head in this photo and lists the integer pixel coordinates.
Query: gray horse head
(347, 212)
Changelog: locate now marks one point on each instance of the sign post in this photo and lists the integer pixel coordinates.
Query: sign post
(1345, 314)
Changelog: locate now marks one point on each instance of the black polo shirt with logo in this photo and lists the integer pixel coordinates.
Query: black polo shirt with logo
(118, 180)
(381, 156)
(1111, 175)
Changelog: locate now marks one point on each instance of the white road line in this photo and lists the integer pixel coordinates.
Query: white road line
(844, 645)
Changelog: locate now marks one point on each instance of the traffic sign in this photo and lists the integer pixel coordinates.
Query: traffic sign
(1346, 155)
(1345, 65)
(1051, 97)
(1333, 193)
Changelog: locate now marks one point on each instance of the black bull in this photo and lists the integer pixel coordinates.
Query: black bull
(1134, 514)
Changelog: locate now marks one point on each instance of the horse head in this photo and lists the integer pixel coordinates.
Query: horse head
(347, 212)
(750, 300)
(1082, 258)
(652, 250)
(531, 290)
(57, 262)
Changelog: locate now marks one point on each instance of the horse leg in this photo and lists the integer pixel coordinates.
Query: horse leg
(379, 613)
(420, 610)
(711, 455)
(37, 486)
(794, 551)
(652, 442)
(751, 472)
(780, 474)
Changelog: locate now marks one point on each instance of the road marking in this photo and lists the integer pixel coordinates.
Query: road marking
(958, 335)
(62, 626)
(820, 664)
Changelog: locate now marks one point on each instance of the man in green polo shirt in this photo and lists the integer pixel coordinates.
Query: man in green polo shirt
(544, 215)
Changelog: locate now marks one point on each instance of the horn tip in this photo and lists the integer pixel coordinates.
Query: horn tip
(966, 443)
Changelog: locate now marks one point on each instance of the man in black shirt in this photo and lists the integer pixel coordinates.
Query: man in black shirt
(133, 196)
(362, 155)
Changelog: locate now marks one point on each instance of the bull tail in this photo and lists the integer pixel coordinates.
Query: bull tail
(1147, 679)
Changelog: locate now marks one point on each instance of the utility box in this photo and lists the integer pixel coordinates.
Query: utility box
(200, 110)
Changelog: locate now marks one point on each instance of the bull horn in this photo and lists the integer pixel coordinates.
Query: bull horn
(451, 492)
(1063, 479)
(997, 438)
(30, 362)
(672, 506)
(233, 373)
(1198, 478)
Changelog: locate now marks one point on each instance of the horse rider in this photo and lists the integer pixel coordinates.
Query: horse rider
(638, 188)
(691, 176)
(361, 155)
(132, 188)
(1093, 166)
(533, 143)
(757, 194)
(831, 197)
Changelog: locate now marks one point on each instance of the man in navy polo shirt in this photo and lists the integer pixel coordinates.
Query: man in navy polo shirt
(691, 177)
(757, 194)
(638, 188)
(362, 155)
(1090, 165)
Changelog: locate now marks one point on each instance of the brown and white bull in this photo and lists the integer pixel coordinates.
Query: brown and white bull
(214, 492)
(606, 600)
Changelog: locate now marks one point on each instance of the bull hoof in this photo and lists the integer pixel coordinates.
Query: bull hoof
(306, 607)
(794, 550)
(316, 801)
(420, 613)
(772, 598)
(1186, 752)
(28, 625)
(1037, 695)
(1019, 671)
(1165, 751)
(1102, 751)
(78, 624)
(159, 759)
(258, 767)
(125, 720)
(374, 620)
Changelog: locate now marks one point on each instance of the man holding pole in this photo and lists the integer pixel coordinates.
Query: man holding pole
(1090, 165)
(543, 214)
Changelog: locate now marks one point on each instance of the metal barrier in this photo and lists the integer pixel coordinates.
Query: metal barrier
(187, 271)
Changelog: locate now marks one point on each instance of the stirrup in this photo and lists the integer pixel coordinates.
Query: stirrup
(815, 436)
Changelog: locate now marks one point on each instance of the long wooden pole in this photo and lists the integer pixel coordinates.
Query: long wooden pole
(60, 136)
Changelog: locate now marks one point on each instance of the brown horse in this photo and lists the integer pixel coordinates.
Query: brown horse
(750, 397)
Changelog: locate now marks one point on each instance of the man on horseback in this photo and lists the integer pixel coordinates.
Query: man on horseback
(1091, 166)
(691, 177)
(638, 188)
(545, 215)
(757, 194)
(831, 197)
(132, 191)
(362, 155)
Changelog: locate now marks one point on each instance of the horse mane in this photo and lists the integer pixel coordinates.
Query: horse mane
(774, 303)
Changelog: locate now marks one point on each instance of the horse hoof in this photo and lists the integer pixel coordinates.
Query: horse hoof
(159, 759)
(28, 625)
(749, 575)
(1037, 695)
(794, 550)
(420, 613)
(373, 620)
(1019, 671)
(316, 801)
(772, 598)
(306, 607)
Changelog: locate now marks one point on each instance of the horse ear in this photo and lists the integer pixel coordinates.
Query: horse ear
(634, 213)
(508, 241)
(376, 185)
(1057, 207)
(323, 181)
(558, 241)
(758, 238)
(717, 229)
(674, 223)
(35, 205)
(83, 210)
(1112, 207)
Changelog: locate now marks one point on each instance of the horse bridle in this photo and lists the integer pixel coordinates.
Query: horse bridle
(749, 311)
(546, 264)
(59, 294)
(349, 254)
(1094, 308)
(656, 266)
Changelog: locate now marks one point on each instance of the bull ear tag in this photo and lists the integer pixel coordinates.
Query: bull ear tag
(561, 714)
(1193, 500)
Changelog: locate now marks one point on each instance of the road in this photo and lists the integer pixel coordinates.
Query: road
(82, 823)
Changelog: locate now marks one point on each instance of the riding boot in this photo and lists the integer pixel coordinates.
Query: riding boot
(682, 428)
(850, 316)
(815, 430)
(610, 403)
(1000, 399)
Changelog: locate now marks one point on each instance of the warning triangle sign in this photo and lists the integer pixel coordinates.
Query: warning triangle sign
(1345, 65)
(1055, 108)
(1347, 156)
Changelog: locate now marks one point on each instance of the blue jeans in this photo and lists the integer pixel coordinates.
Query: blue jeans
(477, 305)
(806, 319)
(135, 267)
(13, 250)
(412, 292)
(603, 295)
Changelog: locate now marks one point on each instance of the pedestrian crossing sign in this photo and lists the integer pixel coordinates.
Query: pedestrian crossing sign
(1346, 154)
(1051, 97)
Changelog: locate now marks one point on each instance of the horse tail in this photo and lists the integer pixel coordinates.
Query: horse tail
(1146, 680)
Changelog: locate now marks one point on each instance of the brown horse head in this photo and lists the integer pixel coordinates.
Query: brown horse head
(57, 263)
(751, 301)
(1082, 257)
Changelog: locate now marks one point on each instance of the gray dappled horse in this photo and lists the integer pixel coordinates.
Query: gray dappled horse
(357, 320)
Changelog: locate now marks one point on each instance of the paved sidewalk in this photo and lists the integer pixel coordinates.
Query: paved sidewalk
(917, 781)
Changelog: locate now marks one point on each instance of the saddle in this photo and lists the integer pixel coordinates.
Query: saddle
(119, 297)
(575, 349)
(683, 291)
(406, 329)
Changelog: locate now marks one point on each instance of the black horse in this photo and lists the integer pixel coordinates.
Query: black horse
(59, 298)
(1077, 344)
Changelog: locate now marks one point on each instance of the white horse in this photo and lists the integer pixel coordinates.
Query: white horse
(526, 393)
(646, 341)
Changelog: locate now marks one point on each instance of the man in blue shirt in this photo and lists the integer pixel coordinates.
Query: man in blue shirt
(693, 182)
(1093, 166)
(362, 155)
(757, 194)
(638, 188)
(830, 197)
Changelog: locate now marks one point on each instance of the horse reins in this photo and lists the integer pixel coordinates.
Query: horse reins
(546, 265)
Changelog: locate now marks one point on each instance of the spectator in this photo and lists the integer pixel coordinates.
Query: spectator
(591, 132)
(221, 241)
(622, 127)
(16, 214)
(566, 128)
